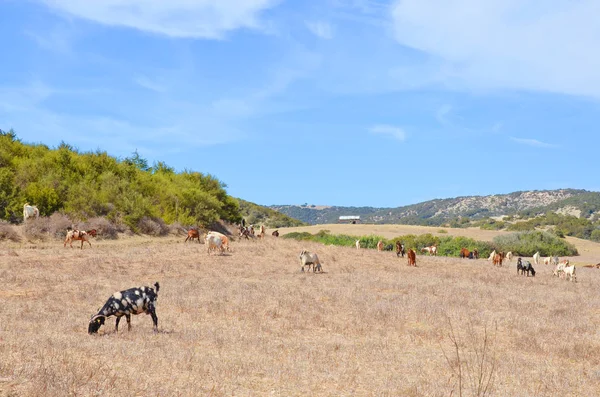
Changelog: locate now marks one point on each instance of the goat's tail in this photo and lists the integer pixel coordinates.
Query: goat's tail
(157, 286)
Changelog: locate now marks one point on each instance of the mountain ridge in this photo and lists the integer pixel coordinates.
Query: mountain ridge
(449, 211)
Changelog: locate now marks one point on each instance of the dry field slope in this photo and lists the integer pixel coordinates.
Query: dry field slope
(249, 323)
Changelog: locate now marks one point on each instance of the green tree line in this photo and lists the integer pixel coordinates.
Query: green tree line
(94, 184)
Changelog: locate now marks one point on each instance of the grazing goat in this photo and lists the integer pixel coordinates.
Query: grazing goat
(30, 211)
(432, 250)
(476, 253)
(308, 258)
(498, 258)
(509, 256)
(193, 234)
(388, 247)
(380, 246)
(79, 235)
(275, 233)
(559, 268)
(492, 254)
(464, 253)
(412, 257)
(357, 244)
(522, 268)
(596, 266)
(245, 232)
(569, 272)
(400, 249)
(213, 243)
(224, 239)
(536, 258)
(125, 303)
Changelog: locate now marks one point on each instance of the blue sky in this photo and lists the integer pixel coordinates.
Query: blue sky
(329, 102)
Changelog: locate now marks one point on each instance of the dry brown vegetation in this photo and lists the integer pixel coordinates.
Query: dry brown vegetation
(249, 323)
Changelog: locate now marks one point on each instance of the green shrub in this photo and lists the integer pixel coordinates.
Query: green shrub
(447, 245)
(93, 184)
(528, 243)
(490, 224)
(451, 246)
(521, 226)
(300, 236)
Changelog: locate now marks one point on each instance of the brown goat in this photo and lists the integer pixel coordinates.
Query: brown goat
(82, 236)
(193, 234)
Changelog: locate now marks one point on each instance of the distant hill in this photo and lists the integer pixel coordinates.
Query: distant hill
(255, 214)
(459, 211)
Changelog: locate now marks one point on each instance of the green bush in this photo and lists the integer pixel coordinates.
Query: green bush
(528, 243)
(94, 184)
(451, 246)
(490, 224)
(447, 245)
(521, 226)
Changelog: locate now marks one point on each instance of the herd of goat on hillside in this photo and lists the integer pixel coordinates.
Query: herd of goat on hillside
(143, 299)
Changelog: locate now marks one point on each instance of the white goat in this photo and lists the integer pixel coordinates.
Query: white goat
(30, 211)
(569, 272)
(224, 238)
(213, 243)
(308, 258)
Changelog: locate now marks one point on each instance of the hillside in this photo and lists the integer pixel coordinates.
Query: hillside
(447, 211)
(84, 185)
(564, 212)
(259, 215)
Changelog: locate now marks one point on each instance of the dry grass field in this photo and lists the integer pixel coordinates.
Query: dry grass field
(249, 323)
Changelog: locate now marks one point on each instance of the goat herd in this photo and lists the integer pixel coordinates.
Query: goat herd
(143, 299)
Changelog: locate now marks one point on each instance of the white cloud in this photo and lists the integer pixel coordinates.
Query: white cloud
(532, 142)
(442, 113)
(320, 29)
(57, 39)
(513, 44)
(149, 84)
(161, 125)
(176, 18)
(383, 129)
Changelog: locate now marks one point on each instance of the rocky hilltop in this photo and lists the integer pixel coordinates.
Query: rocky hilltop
(524, 205)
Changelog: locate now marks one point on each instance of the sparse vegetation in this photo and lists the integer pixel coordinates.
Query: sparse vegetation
(7, 232)
(250, 323)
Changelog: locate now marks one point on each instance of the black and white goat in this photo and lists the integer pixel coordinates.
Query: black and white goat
(125, 303)
(522, 268)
